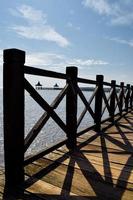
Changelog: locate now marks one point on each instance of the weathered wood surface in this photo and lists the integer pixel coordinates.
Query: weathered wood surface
(100, 168)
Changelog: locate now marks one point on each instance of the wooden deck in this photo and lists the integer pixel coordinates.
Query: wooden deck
(101, 168)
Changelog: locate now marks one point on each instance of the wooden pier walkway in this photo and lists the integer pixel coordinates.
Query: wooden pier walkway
(94, 163)
(100, 168)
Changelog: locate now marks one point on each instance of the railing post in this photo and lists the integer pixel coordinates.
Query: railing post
(13, 93)
(112, 100)
(121, 97)
(131, 97)
(71, 107)
(98, 102)
(127, 98)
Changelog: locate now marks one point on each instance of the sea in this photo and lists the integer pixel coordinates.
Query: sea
(51, 133)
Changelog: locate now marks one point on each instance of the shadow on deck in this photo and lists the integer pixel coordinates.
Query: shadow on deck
(100, 168)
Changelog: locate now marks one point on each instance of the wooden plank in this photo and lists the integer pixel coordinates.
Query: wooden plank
(84, 165)
(122, 143)
(120, 137)
(114, 131)
(95, 152)
(109, 144)
(109, 194)
(57, 179)
(117, 135)
(49, 191)
(122, 126)
(116, 168)
(83, 174)
(116, 160)
(88, 185)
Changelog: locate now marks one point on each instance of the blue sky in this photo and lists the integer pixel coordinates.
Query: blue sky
(94, 35)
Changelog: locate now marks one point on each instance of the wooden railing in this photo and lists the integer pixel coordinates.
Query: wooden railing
(119, 100)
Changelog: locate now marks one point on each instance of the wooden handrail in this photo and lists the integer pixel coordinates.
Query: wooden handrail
(14, 143)
(42, 72)
(87, 81)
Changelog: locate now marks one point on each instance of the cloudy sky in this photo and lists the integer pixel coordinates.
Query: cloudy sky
(94, 35)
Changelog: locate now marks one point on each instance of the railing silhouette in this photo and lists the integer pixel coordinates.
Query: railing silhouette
(119, 100)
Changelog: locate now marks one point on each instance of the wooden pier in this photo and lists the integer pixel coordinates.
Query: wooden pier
(95, 163)
(100, 168)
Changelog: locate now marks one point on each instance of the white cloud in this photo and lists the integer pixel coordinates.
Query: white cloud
(41, 33)
(37, 27)
(122, 41)
(89, 62)
(118, 13)
(44, 59)
(59, 61)
(125, 19)
(100, 6)
(29, 13)
(32, 14)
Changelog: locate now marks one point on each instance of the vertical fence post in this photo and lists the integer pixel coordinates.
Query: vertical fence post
(131, 97)
(112, 100)
(13, 93)
(127, 98)
(98, 102)
(71, 107)
(121, 97)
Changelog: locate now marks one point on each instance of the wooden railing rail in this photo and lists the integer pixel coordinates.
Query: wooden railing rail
(87, 81)
(42, 72)
(118, 100)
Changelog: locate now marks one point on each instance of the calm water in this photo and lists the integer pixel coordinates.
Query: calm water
(51, 133)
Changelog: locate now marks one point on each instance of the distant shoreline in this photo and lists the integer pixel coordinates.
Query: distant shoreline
(60, 88)
(90, 89)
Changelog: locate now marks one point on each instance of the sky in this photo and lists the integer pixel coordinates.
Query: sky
(94, 35)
